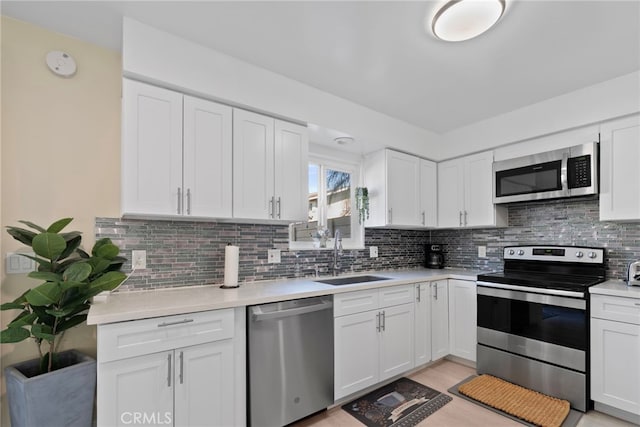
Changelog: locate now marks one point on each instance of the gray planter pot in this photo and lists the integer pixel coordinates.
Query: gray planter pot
(62, 398)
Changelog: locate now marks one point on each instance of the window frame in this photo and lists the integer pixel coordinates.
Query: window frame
(356, 241)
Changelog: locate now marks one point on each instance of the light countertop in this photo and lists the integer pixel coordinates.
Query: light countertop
(616, 288)
(124, 306)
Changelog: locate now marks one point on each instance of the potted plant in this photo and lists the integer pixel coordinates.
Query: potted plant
(58, 388)
(362, 203)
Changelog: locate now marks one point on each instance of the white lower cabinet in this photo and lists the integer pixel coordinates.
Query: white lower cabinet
(375, 344)
(187, 385)
(615, 355)
(439, 319)
(462, 318)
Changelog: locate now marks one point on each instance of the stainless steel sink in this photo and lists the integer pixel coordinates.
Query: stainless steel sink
(351, 280)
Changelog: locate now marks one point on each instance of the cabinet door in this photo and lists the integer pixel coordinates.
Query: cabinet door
(252, 165)
(356, 352)
(204, 385)
(422, 326)
(207, 158)
(428, 193)
(396, 340)
(151, 149)
(462, 318)
(138, 388)
(478, 191)
(450, 193)
(439, 320)
(291, 172)
(615, 352)
(403, 189)
(619, 171)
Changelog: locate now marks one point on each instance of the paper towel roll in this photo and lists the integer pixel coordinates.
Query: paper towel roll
(231, 260)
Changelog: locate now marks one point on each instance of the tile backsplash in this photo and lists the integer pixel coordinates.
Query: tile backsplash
(188, 253)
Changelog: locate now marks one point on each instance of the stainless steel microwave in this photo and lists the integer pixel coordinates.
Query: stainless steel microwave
(567, 172)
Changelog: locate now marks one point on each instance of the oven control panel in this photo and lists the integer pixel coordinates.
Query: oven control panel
(556, 253)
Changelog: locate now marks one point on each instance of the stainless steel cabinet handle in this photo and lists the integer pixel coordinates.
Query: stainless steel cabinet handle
(169, 370)
(423, 220)
(637, 303)
(465, 218)
(179, 200)
(435, 285)
(384, 321)
(460, 219)
(178, 322)
(279, 206)
(181, 367)
(271, 207)
(188, 201)
(378, 322)
(418, 289)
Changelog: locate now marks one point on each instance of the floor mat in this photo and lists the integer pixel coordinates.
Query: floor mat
(402, 403)
(571, 420)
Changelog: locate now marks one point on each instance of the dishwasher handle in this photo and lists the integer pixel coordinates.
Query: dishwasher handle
(258, 315)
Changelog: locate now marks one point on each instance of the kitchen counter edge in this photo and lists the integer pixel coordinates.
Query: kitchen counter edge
(616, 288)
(136, 305)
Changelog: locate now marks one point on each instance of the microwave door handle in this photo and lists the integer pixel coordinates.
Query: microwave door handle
(563, 173)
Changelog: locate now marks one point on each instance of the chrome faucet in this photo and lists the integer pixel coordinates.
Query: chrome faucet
(337, 252)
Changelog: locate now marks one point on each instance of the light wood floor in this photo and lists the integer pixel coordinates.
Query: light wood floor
(459, 412)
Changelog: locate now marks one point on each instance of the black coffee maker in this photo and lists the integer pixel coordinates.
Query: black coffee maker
(433, 256)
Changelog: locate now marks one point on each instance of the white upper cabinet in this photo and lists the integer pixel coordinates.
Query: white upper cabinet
(399, 194)
(619, 171)
(269, 168)
(207, 158)
(151, 149)
(465, 193)
(176, 154)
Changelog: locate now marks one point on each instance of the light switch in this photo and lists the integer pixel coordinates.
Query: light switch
(19, 264)
(373, 252)
(482, 251)
(273, 256)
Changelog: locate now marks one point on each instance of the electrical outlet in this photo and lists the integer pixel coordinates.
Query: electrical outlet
(273, 256)
(482, 251)
(139, 259)
(373, 252)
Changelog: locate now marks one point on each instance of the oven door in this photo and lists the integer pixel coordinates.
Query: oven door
(548, 328)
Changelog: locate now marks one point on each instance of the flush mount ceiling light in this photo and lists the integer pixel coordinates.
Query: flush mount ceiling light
(460, 20)
(343, 140)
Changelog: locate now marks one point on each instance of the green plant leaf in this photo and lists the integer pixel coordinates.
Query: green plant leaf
(77, 272)
(43, 332)
(99, 265)
(61, 312)
(45, 275)
(60, 224)
(43, 264)
(98, 244)
(72, 245)
(107, 281)
(43, 317)
(108, 251)
(23, 319)
(21, 235)
(71, 322)
(10, 335)
(65, 286)
(45, 294)
(49, 245)
(34, 226)
(11, 306)
(82, 253)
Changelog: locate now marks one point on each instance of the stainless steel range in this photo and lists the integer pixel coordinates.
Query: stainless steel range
(533, 319)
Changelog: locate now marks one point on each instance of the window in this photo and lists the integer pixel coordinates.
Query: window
(331, 198)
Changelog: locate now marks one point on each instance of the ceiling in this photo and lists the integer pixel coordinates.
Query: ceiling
(378, 53)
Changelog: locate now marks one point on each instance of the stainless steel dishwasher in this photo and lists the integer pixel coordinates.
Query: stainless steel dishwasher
(290, 352)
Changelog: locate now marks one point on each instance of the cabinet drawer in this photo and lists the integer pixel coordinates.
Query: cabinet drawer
(355, 302)
(138, 337)
(616, 308)
(396, 295)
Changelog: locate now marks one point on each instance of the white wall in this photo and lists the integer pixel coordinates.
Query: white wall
(160, 57)
(590, 105)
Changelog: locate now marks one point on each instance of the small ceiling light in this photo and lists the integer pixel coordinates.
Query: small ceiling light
(343, 140)
(460, 20)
